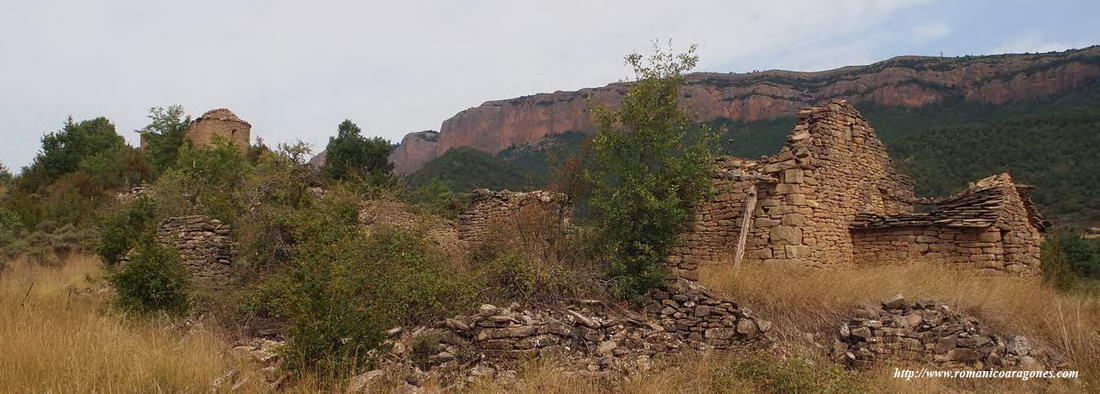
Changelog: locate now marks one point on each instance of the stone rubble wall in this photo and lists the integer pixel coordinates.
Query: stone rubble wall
(591, 336)
(488, 210)
(932, 333)
(204, 246)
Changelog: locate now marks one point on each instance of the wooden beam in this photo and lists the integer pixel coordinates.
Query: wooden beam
(746, 224)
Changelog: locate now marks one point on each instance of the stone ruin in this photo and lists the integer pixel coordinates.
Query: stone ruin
(591, 336)
(204, 246)
(219, 124)
(488, 210)
(831, 196)
(993, 226)
(928, 332)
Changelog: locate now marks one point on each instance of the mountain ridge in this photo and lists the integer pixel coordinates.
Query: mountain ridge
(902, 81)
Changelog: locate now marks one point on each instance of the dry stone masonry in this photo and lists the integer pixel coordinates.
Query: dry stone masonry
(204, 247)
(591, 336)
(489, 209)
(831, 196)
(992, 226)
(929, 332)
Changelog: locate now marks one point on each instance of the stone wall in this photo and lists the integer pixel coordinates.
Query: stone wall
(831, 196)
(962, 247)
(220, 124)
(589, 336)
(489, 210)
(831, 168)
(929, 332)
(988, 227)
(204, 247)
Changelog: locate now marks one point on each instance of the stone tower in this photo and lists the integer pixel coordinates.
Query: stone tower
(218, 124)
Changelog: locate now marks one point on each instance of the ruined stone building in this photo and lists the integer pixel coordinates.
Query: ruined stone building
(491, 211)
(219, 124)
(205, 248)
(831, 196)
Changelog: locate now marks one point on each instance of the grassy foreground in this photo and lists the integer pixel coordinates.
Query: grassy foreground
(58, 333)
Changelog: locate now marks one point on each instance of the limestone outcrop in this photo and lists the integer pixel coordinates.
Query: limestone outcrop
(908, 81)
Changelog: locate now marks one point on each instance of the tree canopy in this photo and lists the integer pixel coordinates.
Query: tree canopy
(351, 154)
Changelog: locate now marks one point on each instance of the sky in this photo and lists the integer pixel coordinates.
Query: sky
(295, 69)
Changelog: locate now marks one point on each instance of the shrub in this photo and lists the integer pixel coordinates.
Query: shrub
(1067, 258)
(154, 280)
(533, 258)
(650, 169)
(119, 232)
(48, 244)
(204, 181)
(436, 198)
(344, 285)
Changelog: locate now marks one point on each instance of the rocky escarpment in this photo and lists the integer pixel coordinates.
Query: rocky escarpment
(417, 150)
(908, 81)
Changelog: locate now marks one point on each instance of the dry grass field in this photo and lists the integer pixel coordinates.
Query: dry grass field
(59, 333)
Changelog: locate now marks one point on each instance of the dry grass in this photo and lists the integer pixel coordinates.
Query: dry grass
(58, 335)
(56, 338)
(800, 301)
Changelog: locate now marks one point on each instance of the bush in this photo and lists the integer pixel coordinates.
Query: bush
(120, 231)
(345, 285)
(153, 280)
(534, 258)
(204, 181)
(1067, 259)
(436, 198)
(48, 244)
(649, 170)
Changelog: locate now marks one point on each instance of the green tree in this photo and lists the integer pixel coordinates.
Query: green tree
(350, 154)
(163, 136)
(64, 150)
(5, 176)
(651, 166)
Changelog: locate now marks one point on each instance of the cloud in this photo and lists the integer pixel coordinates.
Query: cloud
(295, 71)
(1034, 42)
(930, 30)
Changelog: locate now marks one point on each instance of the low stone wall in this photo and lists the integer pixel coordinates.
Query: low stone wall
(688, 311)
(204, 247)
(590, 336)
(982, 249)
(488, 210)
(930, 333)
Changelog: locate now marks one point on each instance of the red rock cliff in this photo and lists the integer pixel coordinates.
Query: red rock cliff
(908, 81)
